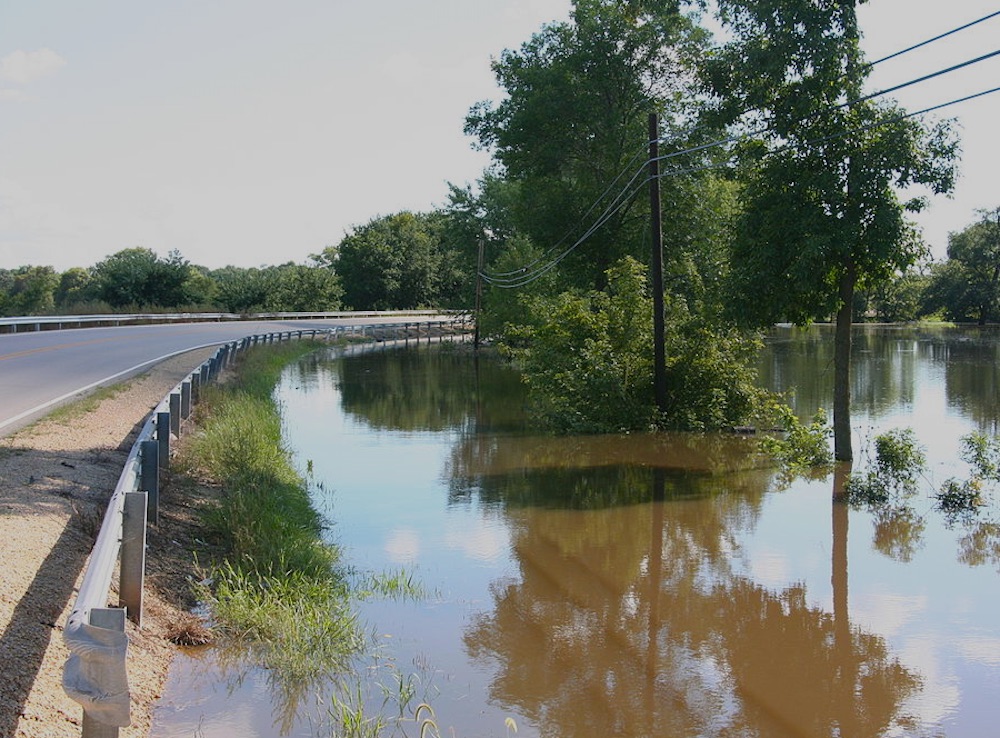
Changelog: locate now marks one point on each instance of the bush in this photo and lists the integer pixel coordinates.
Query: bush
(587, 359)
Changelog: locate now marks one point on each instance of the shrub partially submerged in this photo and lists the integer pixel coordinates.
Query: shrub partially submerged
(892, 476)
(587, 359)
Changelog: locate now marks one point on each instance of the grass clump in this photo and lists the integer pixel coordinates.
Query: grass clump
(280, 590)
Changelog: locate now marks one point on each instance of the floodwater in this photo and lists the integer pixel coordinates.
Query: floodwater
(638, 585)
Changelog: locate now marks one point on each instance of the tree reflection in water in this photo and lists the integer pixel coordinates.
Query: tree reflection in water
(607, 631)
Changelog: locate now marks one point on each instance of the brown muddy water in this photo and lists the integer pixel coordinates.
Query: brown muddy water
(640, 585)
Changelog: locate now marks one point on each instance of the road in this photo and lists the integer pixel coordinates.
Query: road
(39, 371)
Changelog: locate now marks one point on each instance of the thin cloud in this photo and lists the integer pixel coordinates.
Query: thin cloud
(23, 67)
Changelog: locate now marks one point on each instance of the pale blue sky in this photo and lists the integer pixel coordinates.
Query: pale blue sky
(250, 132)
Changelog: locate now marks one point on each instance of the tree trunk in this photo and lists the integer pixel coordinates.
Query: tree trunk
(842, 367)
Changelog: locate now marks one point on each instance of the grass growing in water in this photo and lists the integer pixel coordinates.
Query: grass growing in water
(280, 590)
(282, 598)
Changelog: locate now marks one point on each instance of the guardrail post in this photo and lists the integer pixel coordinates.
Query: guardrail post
(149, 477)
(163, 437)
(175, 413)
(133, 554)
(195, 385)
(185, 399)
(105, 672)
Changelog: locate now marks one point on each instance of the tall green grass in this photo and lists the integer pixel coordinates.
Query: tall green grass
(280, 597)
(280, 589)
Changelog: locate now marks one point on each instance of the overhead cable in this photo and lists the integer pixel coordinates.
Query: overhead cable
(932, 40)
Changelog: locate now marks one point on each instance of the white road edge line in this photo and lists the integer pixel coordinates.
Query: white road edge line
(99, 382)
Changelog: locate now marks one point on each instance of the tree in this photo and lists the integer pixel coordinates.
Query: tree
(302, 288)
(75, 287)
(967, 286)
(821, 169)
(393, 262)
(588, 362)
(572, 130)
(138, 277)
(30, 290)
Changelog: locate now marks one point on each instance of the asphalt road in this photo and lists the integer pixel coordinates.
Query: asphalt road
(41, 370)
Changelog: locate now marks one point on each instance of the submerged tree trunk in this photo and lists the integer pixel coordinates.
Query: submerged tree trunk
(842, 366)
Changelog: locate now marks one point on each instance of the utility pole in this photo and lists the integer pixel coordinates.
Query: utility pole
(659, 350)
(479, 292)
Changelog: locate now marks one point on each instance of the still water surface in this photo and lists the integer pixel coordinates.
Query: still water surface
(640, 585)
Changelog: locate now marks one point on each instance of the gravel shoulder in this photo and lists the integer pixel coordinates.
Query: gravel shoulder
(55, 479)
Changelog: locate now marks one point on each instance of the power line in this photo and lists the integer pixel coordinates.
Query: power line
(736, 137)
(525, 278)
(528, 274)
(932, 40)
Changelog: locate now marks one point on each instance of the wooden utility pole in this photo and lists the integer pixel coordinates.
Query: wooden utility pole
(479, 292)
(659, 350)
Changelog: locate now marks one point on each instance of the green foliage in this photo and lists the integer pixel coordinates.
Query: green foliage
(75, 287)
(893, 475)
(967, 286)
(285, 288)
(801, 446)
(394, 262)
(138, 277)
(28, 290)
(587, 361)
(574, 120)
(964, 497)
(899, 300)
(711, 374)
(957, 496)
(982, 453)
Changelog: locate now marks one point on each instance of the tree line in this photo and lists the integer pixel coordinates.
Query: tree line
(413, 260)
(401, 261)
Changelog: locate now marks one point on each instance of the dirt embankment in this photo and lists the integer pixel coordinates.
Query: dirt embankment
(55, 479)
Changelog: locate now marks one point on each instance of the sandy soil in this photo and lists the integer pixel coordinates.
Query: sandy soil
(55, 479)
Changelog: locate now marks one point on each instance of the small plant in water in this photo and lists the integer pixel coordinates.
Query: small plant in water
(982, 453)
(957, 497)
(802, 446)
(892, 476)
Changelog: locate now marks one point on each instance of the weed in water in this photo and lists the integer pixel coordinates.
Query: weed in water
(800, 446)
(892, 475)
(956, 497)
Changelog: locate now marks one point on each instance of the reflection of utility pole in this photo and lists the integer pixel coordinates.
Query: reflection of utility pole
(479, 292)
(655, 583)
(659, 352)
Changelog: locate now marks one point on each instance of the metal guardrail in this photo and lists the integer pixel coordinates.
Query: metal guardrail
(95, 673)
(60, 322)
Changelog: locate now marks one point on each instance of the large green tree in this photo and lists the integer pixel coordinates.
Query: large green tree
(393, 262)
(821, 168)
(137, 277)
(967, 286)
(28, 290)
(572, 130)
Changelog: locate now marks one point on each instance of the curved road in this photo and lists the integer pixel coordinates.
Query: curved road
(39, 371)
